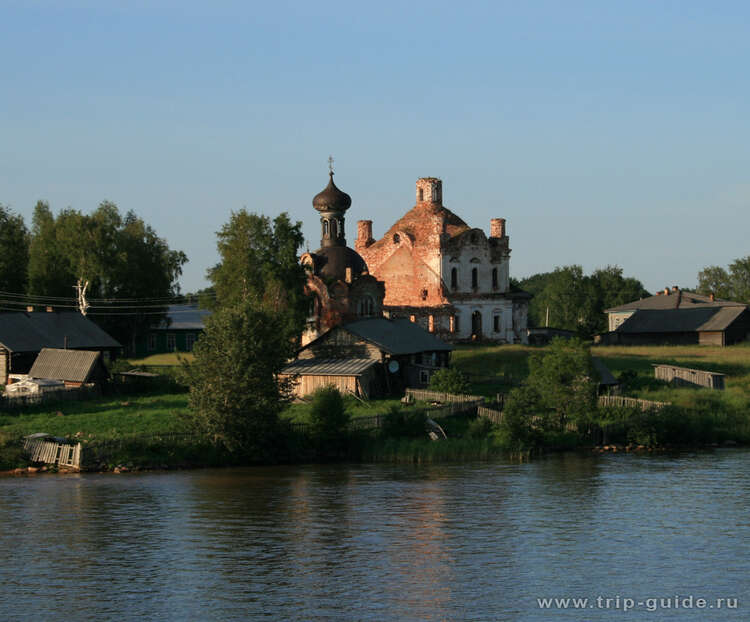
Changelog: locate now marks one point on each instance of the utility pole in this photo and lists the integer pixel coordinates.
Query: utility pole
(546, 322)
(83, 305)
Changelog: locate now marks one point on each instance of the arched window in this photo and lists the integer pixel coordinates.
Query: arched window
(454, 278)
(396, 238)
(474, 278)
(334, 233)
(421, 194)
(325, 228)
(494, 278)
(366, 306)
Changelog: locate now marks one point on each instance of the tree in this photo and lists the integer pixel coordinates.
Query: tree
(14, 251)
(563, 378)
(259, 264)
(450, 380)
(235, 391)
(119, 257)
(574, 301)
(733, 284)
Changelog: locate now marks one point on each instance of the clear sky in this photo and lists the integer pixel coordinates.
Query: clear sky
(605, 132)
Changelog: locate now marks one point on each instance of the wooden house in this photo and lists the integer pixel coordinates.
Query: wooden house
(177, 332)
(24, 334)
(709, 325)
(369, 358)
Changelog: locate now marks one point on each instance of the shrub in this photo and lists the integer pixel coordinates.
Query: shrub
(479, 428)
(399, 424)
(450, 380)
(328, 415)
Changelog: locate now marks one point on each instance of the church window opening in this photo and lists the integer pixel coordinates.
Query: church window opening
(431, 324)
(452, 323)
(474, 278)
(494, 278)
(496, 323)
(454, 278)
(456, 322)
(334, 234)
(366, 306)
(396, 238)
(412, 318)
(421, 194)
(325, 228)
(424, 294)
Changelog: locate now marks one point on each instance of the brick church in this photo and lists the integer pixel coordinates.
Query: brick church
(446, 276)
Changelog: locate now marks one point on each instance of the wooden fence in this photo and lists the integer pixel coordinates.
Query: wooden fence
(423, 395)
(54, 451)
(21, 402)
(495, 416)
(631, 402)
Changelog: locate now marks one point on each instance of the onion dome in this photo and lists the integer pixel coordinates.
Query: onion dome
(331, 199)
(332, 262)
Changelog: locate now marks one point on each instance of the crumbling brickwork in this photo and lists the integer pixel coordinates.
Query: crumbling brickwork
(450, 278)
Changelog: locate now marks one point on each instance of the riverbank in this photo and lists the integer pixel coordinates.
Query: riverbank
(128, 433)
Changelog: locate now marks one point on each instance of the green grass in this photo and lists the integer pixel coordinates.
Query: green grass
(170, 358)
(300, 411)
(101, 419)
(493, 369)
(734, 361)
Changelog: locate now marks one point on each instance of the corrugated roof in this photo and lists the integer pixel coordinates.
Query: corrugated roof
(673, 300)
(70, 365)
(681, 320)
(396, 336)
(30, 332)
(329, 367)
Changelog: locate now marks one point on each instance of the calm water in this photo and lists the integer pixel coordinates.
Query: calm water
(480, 541)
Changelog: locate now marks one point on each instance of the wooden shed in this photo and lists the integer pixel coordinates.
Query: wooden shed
(72, 367)
(353, 376)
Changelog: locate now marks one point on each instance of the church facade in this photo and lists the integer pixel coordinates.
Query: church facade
(444, 275)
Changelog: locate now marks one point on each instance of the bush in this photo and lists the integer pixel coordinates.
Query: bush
(450, 380)
(328, 415)
(402, 424)
(479, 428)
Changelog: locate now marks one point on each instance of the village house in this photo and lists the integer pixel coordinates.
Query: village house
(23, 335)
(369, 358)
(674, 316)
(450, 278)
(177, 332)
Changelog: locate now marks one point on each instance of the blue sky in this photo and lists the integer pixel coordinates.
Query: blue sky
(606, 133)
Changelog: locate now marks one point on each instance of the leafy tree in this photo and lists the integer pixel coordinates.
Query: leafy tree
(733, 284)
(563, 377)
(259, 264)
(518, 427)
(235, 391)
(577, 302)
(450, 380)
(14, 251)
(120, 257)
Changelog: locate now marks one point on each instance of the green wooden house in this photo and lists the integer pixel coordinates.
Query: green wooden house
(177, 333)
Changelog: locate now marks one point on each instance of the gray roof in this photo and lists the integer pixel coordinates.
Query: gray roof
(605, 376)
(681, 320)
(673, 300)
(396, 336)
(70, 365)
(185, 317)
(30, 332)
(329, 367)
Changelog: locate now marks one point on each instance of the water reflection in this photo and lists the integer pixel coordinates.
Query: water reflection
(474, 541)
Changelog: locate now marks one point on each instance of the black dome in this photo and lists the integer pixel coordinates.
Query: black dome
(332, 262)
(331, 199)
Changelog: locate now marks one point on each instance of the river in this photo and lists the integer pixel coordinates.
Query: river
(472, 541)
